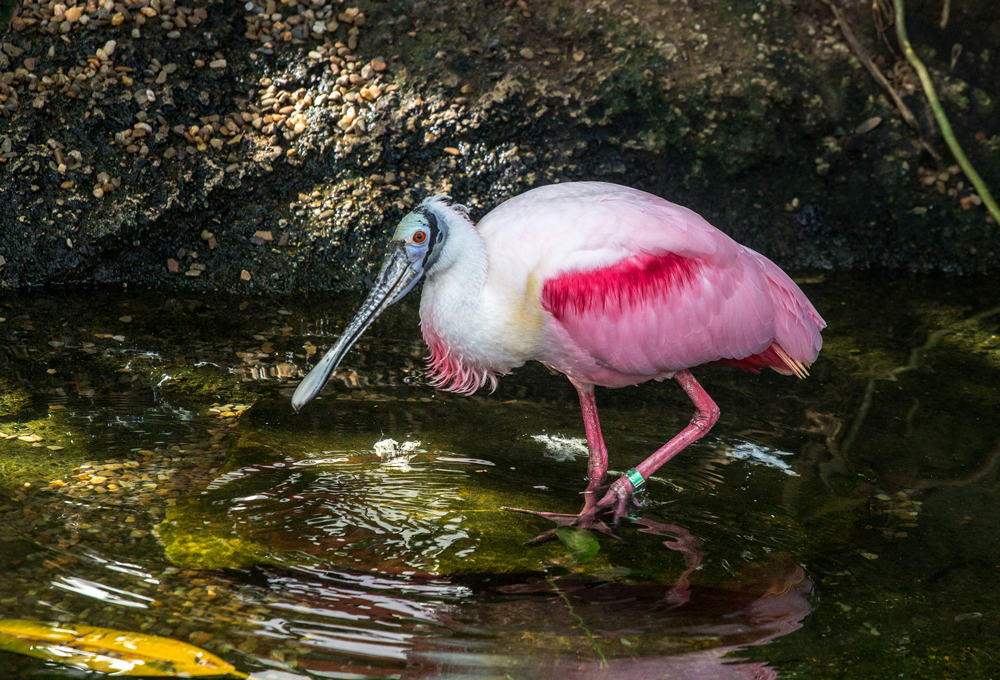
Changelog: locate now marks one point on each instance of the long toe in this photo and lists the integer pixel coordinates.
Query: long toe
(621, 507)
(561, 518)
(584, 520)
(617, 499)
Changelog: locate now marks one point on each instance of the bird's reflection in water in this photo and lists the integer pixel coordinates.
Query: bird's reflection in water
(568, 627)
(684, 542)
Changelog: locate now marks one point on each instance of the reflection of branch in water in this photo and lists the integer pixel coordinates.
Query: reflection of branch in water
(984, 469)
(910, 416)
(866, 403)
(933, 340)
(579, 620)
(829, 426)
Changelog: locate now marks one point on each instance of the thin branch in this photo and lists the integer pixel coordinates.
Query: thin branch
(904, 110)
(942, 119)
(882, 16)
(944, 13)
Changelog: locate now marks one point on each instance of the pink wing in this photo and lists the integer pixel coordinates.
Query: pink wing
(638, 287)
(657, 311)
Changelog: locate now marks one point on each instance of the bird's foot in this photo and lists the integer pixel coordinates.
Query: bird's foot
(584, 520)
(617, 497)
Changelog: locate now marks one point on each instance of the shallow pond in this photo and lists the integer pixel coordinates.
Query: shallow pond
(154, 479)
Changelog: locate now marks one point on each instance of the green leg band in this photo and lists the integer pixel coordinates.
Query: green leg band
(637, 481)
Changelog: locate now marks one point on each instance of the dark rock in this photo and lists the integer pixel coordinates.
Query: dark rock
(735, 111)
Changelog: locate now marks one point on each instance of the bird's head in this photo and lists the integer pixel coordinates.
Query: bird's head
(416, 249)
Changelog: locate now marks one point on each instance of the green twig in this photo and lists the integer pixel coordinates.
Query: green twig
(942, 119)
(580, 624)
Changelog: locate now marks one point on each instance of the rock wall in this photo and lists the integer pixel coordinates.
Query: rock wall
(272, 146)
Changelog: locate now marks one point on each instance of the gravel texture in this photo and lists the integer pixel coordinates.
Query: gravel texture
(271, 146)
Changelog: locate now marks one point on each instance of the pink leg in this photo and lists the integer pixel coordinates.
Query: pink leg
(597, 469)
(705, 416)
(597, 462)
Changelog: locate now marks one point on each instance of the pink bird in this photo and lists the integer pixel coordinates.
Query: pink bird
(608, 285)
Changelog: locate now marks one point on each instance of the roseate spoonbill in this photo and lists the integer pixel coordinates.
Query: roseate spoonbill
(609, 285)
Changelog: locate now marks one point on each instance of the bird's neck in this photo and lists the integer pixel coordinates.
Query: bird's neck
(462, 264)
(455, 314)
(452, 298)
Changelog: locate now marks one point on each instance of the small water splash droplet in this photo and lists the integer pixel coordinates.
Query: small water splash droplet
(394, 454)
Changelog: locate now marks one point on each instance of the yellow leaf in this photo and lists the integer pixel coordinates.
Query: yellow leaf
(110, 651)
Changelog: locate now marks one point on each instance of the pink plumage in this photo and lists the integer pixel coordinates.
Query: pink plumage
(449, 373)
(609, 285)
(635, 288)
(613, 287)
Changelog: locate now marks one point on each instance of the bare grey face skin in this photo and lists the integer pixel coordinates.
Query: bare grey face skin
(411, 252)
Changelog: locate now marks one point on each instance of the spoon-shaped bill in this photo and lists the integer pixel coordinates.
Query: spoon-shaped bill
(397, 278)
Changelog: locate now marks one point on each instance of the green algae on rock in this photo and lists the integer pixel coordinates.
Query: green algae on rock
(188, 544)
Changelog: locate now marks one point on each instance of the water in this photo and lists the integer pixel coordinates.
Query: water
(841, 526)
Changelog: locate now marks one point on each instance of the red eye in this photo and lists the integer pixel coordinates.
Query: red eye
(420, 237)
